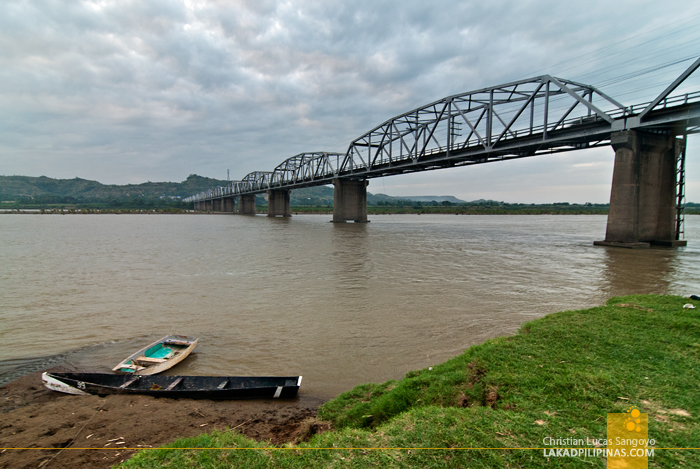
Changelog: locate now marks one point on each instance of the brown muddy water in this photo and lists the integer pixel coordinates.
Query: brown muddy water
(340, 304)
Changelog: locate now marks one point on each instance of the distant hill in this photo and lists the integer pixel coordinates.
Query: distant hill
(48, 190)
(323, 195)
(26, 191)
(43, 188)
(319, 195)
(417, 198)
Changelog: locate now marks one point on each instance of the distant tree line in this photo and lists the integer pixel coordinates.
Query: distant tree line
(48, 202)
(414, 203)
(491, 204)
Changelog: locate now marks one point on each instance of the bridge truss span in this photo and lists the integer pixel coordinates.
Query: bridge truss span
(307, 169)
(520, 119)
(529, 116)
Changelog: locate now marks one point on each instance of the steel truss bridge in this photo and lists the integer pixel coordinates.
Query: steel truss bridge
(521, 119)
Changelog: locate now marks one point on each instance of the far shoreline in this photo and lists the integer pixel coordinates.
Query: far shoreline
(300, 212)
(371, 211)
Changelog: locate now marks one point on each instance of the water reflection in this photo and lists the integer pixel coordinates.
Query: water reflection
(639, 271)
(351, 255)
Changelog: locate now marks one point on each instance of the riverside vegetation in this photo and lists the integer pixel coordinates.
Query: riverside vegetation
(61, 196)
(557, 377)
(172, 207)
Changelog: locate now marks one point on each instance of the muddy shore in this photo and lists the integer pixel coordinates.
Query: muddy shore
(100, 432)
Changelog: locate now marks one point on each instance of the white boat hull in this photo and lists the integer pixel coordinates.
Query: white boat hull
(56, 385)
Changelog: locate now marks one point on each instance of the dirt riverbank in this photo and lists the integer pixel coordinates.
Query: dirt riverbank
(99, 432)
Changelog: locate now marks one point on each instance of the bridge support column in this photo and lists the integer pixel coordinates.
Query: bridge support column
(208, 205)
(227, 204)
(642, 198)
(278, 203)
(246, 204)
(216, 203)
(350, 200)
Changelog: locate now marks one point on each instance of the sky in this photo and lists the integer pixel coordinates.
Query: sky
(152, 90)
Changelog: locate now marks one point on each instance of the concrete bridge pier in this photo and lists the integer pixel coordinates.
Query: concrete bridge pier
(643, 195)
(228, 204)
(246, 204)
(278, 203)
(208, 205)
(350, 200)
(217, 205)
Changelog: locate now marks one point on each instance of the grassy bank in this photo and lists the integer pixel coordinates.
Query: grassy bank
(558, 377)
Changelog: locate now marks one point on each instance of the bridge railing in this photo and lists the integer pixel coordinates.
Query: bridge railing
(672, 101)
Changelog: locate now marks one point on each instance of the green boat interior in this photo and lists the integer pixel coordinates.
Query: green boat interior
(154, 355)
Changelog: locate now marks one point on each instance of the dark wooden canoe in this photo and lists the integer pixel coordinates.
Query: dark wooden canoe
(191, 387)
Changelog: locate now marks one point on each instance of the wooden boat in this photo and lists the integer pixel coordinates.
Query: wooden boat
(159, 356)
(192, 387)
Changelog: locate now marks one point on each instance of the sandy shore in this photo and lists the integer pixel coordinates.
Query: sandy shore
(100, 432)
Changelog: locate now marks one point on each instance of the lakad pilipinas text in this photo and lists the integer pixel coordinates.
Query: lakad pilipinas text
(627, 444)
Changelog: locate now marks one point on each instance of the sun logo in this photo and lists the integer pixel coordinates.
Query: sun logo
(633, 421)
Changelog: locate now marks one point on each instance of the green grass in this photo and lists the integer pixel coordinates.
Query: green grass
(559, 377)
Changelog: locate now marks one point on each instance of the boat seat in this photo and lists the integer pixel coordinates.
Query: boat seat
(177, 342)
(130, 382)
(148, 361)
(174, 383)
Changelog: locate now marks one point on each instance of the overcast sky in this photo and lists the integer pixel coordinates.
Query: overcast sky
(131, 91)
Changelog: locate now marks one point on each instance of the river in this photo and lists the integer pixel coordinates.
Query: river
(340, 304)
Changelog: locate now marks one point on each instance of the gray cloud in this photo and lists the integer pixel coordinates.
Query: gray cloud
(155, 90)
